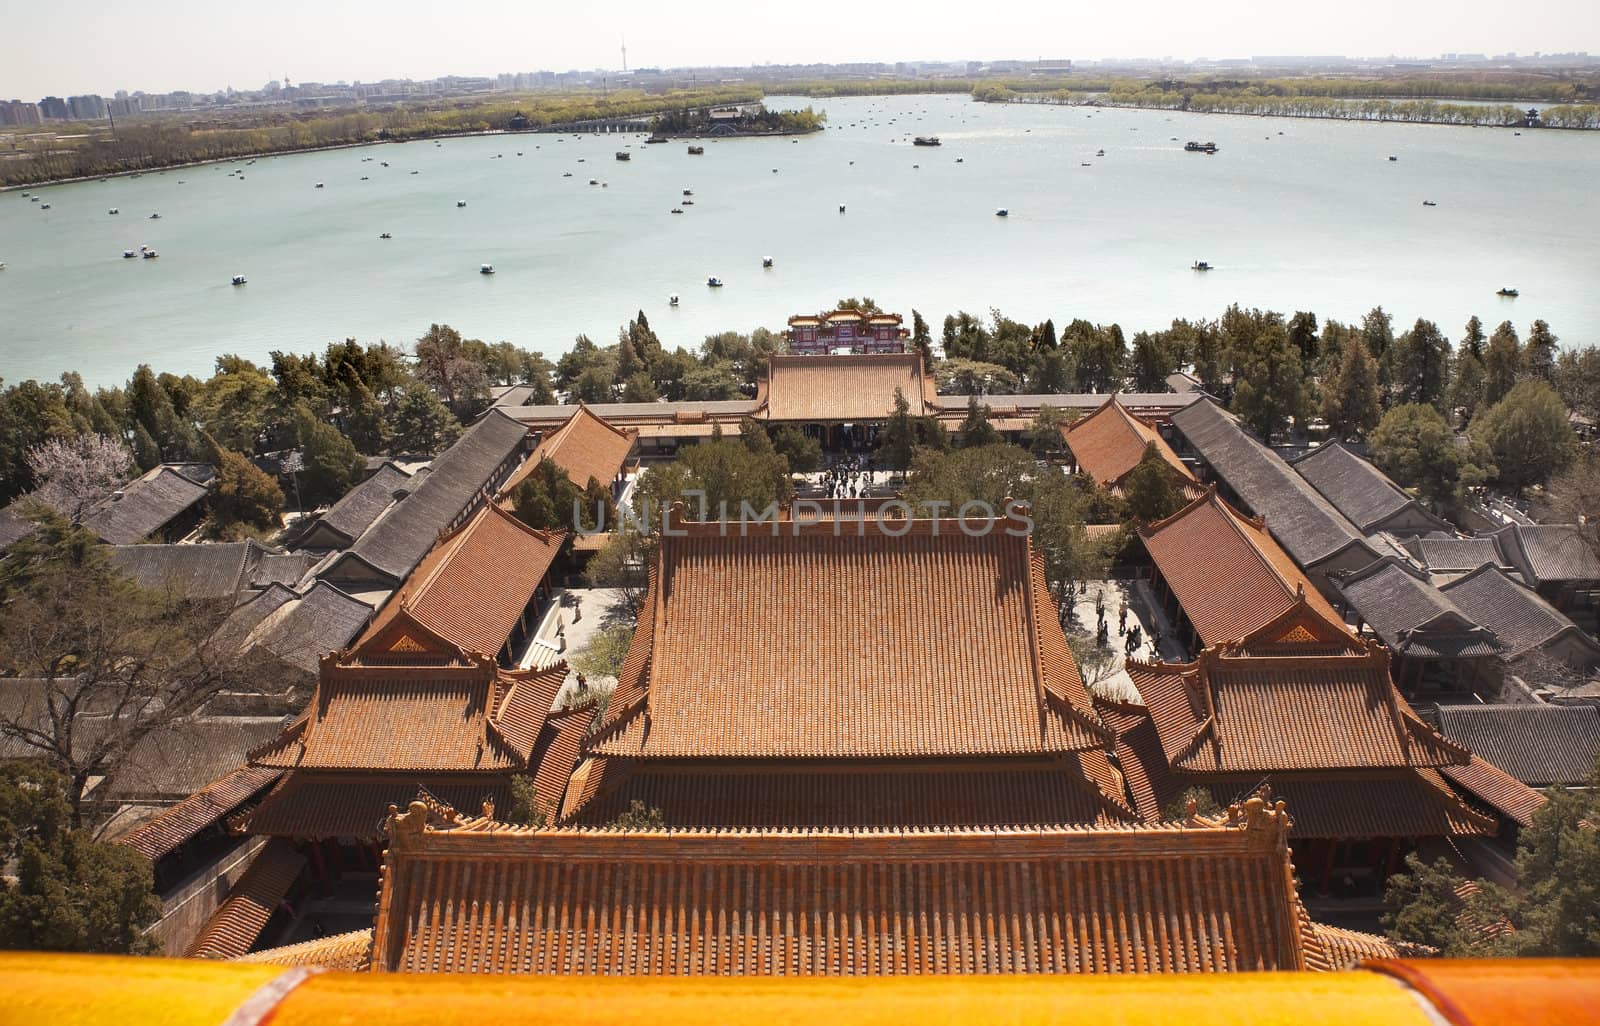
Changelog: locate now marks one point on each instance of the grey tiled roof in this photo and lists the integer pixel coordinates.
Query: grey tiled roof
(1539, 745)
(1519, 617)
(302, 631)
(1355, 487)
(460, 478)
(176, 761)
(196, 571)
(360, 507)
(1304, 522)
(1548, 553)
(1443, 555)
(1412, 616)
(144, 506)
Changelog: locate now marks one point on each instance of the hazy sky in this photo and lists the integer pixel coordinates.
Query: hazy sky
(159, 45)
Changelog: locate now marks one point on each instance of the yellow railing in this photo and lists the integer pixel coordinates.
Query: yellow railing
(76, 990)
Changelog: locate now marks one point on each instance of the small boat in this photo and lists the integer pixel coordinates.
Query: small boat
(580, 160)
(155, 217)
(688, 192)
(319, 185)
(1508, 293)
(1002, 212)
(44, 206)
(1429, 203)
(774, 170)
(416, 172)
(916, 167)
(1086, 164)
(1201, 265)
(364, 178)
(1393, 158)
(113, 210)
(1200, 147)
(461, 203)
(384, 164)
(566, 174)
(677, 210)
(766, 261)
(1099, 153)
(150, 254)
(594, 181)
(841, 208)
(26, 195)
(715, 283)
(672, 300)
(485, 268)
(961, 160)
(688, 202)
(926, 140)
(624, 155)
(695, 151)
(657, 138)
(128, 254)
(386, 235)
(240, 279)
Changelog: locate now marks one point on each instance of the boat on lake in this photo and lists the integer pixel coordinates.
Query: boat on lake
(766, 261)
(688, 192)
(1201, 265)
(1508, 293)
(1002, 212)
(113, 210)
(461, 203)
(155, 217)
(926, 140)
(566, 174)
(624, 155)
(677, 210)
(1200, 147)
(1099, 153)
(44, 206)
(672, 300)
(688, 202)
(1429, 203)
(1393, 158)
(386, 235)
(149, 254)
(319, 185)
(714, 282)
(657, 138)
(695, 151)
(485, 268)
(240, 279)
(128, 254)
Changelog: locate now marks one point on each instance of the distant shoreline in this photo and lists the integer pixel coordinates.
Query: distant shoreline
(544, 130)
(1286, 114)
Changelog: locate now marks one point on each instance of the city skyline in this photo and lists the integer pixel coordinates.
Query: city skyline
(403, 40)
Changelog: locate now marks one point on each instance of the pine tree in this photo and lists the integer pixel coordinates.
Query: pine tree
(1529, 433)
(976, 430)
(1303, 335)
(1501, 363)
(331, 465)
(1539, 355)
(1350, 400)
(921, 338)
(420, 423)
(1270, 387)
(244, 496)
(1420, 362)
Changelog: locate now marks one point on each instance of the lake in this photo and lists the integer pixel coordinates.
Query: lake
(1293, 214)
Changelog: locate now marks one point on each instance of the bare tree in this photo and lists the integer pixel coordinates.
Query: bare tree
(101, 664)
(74, 473)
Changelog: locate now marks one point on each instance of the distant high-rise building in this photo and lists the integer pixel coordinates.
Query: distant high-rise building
(88, 107)
(53, 108)
(18, 112)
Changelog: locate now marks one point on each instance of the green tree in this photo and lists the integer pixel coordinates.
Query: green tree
(1150, 363)
(1100, 355)
(1501, 363)
(1420, 365)
(1377, 331)
(1270, 385)
(974, 377)
(1577, 378)
(921, 338)
(1044, 434)
(243, 497)
(896, 439)
(976, 431)
(1350, 402)
(1424, 908)
(1302, 330)
(152, 409)
(1414, 445)
(1468, 373)
(420, 424)
(547, 497)
(639, 389)
(604, 654)
(1152, 490)
(366, 421)
(1539, 355)
(455, 368)
(330, 464)
(1529, 434)
(69, 892)
(803, 452)
(237, 404)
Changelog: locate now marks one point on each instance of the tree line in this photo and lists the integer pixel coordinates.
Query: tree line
(151, 142)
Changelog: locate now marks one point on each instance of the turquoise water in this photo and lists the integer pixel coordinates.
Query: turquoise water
(1316, 218)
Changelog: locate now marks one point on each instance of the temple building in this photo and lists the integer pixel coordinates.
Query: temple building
(587, 447)
(846, 332)
(1363, 493)
(1303, 711)
(1108, 443)
(844, 400)
(1437, 645)
(818, 676)
(1220, 575)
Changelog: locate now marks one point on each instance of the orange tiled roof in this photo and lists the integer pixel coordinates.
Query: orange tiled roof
(238, 921)
(349, 952)
(1497, 789)
(1202, 897)
(997, 794)
(1227, 573)
(787, 641)
(471, 587)
(314, 805)
(1229, 712)
(845, 388)
(427, 718)
(1110, 442)
(207, 806)
(1338, 804)
(587, 447)
(562, 745)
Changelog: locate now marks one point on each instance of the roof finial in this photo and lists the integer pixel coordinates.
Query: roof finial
(488, 808)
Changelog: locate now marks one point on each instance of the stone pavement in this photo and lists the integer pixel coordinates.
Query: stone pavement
(1144, 611)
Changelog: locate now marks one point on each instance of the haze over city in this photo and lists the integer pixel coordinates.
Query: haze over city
(184, 44)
